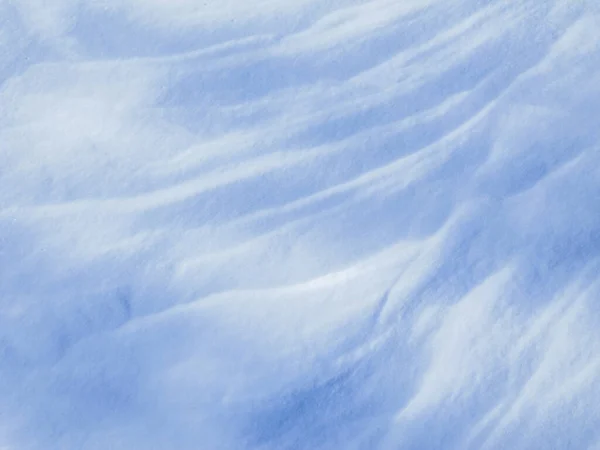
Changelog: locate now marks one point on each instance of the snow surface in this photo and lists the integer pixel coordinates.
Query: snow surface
(304, 224)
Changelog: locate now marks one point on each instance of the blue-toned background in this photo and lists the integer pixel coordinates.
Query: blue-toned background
(299, 224)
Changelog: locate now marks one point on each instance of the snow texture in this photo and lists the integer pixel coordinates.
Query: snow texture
(299, 224)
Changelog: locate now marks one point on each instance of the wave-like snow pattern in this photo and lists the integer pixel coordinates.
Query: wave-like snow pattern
(299, 224)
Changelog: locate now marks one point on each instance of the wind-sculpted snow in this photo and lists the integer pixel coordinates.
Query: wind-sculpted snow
(299, 224)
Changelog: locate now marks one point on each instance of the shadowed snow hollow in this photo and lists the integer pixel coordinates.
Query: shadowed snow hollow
(299, 224)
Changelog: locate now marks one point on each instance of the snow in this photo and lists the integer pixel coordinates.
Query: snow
(299, 224)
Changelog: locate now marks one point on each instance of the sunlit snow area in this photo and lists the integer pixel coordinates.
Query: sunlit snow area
(299, 224)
